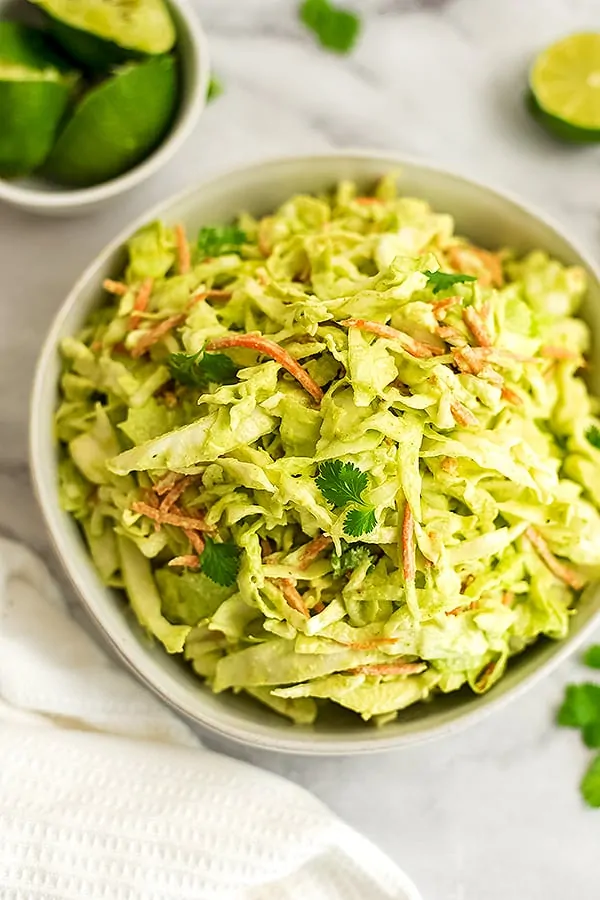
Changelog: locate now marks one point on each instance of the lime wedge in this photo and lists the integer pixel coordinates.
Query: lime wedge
(35, 88)
(103, 33)
(565, 87)
(116, 124)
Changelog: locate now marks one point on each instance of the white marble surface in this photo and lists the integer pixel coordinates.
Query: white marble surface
(494, 812)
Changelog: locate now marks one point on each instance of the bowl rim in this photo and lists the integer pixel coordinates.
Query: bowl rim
(192, 104)
(130, 651)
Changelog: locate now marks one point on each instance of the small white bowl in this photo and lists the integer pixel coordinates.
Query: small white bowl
(490, 217)
(40, 196)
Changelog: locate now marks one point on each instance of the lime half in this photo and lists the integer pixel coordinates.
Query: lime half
(116, 124)
(565, 87)
(35, 89)
(104, 33)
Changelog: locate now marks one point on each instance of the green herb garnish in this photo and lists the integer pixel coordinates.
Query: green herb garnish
(581, 709)
(200, 369)
(581, 705)
(219, 240)
(360, 521)
(220, 562)
(342, 483)
(593, 436)
(352, 556)
(215, 89)
(591, 657)
(590, 786)
(336, 29)
(441, 281)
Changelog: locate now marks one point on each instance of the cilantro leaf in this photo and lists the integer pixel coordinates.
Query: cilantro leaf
(336, 29)
(591, 657)
(593, 436)
(441, 281)
(350, 558)
(199, 369)
(215, 89)
(360, 520)
(581, 706)
(220, 562)
(341, 482)
(590, 786)
(591, 735)
(220, 239)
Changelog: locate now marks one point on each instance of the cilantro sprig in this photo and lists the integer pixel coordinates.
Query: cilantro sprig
(220, 562)
(352, 556)
(343, 484)
(200, 369)
(220, 239)
(581, 709)
(591, 656)
(593, 436)
(441, 281)
(590, 785)
(336, 29)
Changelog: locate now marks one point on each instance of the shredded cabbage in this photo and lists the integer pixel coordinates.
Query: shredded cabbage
(200, 483)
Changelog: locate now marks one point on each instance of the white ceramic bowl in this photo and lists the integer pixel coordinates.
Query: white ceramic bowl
(37, 195)
(492, 219)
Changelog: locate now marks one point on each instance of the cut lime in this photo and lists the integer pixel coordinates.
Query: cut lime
(104, 33)
(565, 87)
(35, 87)
(116, 124)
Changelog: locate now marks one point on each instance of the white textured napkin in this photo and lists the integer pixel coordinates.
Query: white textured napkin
(104, 793)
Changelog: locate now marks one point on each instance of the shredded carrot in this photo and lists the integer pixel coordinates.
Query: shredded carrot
(468, 361)
(566, 574)
(318, 607)
(292, 597)
(450, 465)
(558, 353)
(184, 261)
(484, 676)
(415, 348)
(270, 348)
(477, 326)
(115, 287)
(462, 415)
(312, 550)
(170, 399)
(195, 540)
(408, 668)
(191, 561)
(164, 485)
(511, 396)
(141, 302)
(176, 518)
(460, 609)
(367, 645)
(409, 562)
(174, 494)
(153, 335)
(440, 306)
(508, 598)
(486, 266)
(213, 294)
(451, 335)
(367, 201)
(96, 346)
